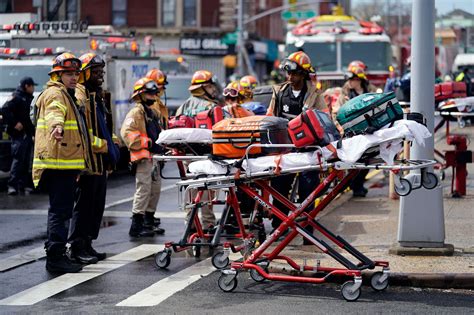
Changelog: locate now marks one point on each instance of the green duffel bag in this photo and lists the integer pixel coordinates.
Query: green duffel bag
(369, 112)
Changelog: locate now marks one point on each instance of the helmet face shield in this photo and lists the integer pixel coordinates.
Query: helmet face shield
(289, 65)
(151, 87)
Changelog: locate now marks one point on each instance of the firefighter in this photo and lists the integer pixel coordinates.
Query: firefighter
(204, 94)
(233, 95)
(90, 202)
(162, 111)
(248, 84)
(355, 85)
(61, 152)
(290, 99)
(140, 131)
(16, 112)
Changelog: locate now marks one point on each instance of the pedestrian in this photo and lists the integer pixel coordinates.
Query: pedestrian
(16, 113)
(92, 186)
(355, 85)
(204, 96)
(61, 152)
(140, 131)
(290, 99)
(233, 96)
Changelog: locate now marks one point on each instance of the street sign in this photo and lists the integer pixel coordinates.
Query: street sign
(299, 15)
(230, 38)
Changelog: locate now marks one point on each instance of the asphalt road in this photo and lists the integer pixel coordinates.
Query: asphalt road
(129, 283)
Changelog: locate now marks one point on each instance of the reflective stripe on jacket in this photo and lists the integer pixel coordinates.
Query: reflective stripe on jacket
(55, 107)
(134, 134)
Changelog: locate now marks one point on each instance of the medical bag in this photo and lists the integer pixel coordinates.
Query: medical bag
(312, 127)
(181, 121)
(369, 112)
(231, 137)
(208, 118)
(447, 90)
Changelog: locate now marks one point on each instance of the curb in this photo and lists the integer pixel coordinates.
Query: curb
(420, 280)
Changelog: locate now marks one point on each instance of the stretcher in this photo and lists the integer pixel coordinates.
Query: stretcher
(251, 178)
(186, 145)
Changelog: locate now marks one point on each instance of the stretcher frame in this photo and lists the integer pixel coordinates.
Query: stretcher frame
(256, 260)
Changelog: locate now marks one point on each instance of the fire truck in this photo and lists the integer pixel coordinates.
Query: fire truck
(333, 41)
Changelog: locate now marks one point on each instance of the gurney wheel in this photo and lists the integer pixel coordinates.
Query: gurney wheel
(256, 276)
(376, 284)
(197, 248)
(162, 259)
(219, 262)
(227, 283)
(348, 293)
(404, 188)
(430, 180)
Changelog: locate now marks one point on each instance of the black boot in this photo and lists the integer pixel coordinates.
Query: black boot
(149, 224)
(91, 251)
(137, 229)
(61, 264)
(79, 253)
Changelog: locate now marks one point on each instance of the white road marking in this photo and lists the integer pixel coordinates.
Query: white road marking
(119, 202)
(163, 289)
(20, 259)
(59, 284)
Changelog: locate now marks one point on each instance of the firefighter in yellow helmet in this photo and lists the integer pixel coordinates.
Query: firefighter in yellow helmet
(248, 84)
(90, 202)
(204, 94)
(233, 95)
(290, 99)
(140, 130)
(62, 151)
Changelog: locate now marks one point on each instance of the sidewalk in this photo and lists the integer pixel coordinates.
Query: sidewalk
(371, 225)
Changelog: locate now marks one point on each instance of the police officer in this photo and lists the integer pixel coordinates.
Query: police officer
(61, 152)
(90, 202)
(16, 112)
(289, 99)
(140, 131)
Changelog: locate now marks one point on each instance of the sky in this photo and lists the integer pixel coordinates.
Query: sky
(442, 6)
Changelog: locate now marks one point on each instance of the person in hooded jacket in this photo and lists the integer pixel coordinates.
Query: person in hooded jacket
(16, 112)
(140, 130)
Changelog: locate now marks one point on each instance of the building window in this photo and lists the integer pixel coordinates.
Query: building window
(5, 6)
(71, 10)
(119, 12)
(189, 12)
(168, 13)
(53, 8)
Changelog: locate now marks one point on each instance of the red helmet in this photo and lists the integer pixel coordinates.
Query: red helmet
(65, 62)
(144, 85)
(88, 61)
(355, 71)
(249, 82)
(201, 78)
(357, 63)
(297, 61)
(158, 76)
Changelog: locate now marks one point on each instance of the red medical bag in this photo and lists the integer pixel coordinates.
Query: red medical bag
(312, 127)
(208, 118)
(181, 121)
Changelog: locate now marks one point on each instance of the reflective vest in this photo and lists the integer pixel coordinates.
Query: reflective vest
(55, 107)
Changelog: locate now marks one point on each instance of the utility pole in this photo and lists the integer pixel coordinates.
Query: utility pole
(240, 37)
(421, 218)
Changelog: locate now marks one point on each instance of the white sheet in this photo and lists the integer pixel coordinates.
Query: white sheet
(351, 150)
(191, 135)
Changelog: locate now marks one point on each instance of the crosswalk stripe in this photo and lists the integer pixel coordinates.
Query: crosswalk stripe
(59, 284)
(163, 289)
(20, 259)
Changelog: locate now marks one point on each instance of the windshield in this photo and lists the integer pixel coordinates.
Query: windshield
(377, 56)
(323, 55)
(12, 74)
(177, 88)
